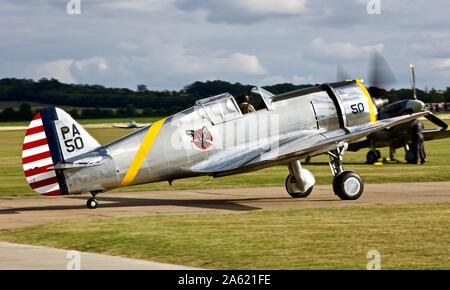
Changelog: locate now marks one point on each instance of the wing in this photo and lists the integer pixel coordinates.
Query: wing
(356, 146)
(239, 160)
(121, 126)
(435, 134)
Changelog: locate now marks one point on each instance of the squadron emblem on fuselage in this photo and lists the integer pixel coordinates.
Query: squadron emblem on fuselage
(201, 138)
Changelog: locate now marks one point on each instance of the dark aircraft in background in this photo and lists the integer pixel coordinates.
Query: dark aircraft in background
(399, 136)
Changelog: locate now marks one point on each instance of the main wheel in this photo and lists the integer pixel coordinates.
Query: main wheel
(92, 203)
(292, 189)
(373, 156)
(348, 185)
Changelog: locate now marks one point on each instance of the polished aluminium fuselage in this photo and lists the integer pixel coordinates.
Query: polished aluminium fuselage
(174, 154)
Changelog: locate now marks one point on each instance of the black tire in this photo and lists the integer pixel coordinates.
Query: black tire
(91, 203)
(348, 185)
(378, 153)
(373, 156)
(296, 193)
(410, 157)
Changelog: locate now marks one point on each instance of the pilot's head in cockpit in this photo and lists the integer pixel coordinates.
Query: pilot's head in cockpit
(245, 105)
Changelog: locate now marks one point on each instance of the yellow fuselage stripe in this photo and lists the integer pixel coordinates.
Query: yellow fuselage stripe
(146, 144)
(373, 118)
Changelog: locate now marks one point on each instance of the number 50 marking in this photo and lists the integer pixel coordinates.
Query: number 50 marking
(72, 144)
(357, 108)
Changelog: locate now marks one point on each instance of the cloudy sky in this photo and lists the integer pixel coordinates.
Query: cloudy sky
(167, 44)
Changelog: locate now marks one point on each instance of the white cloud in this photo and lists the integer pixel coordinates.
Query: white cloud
(172, 64)
(321, 50)
(119, 5)
(129, 47)
(245, 11)
(245, 64)
(441, 64)
(236, 63)
(135, 5)
(92, 64)
(279, 79)
(265, 7)
(171, 58)
(67, 70)
(57, 69)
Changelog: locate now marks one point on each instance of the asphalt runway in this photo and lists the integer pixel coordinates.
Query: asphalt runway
(24, 211)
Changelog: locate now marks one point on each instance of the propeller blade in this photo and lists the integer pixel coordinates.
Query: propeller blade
(381, 74)
(436, 120)
(412, 77)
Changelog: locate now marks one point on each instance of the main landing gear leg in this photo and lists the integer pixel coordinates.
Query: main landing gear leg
(92, 203)
(299, 182)
(392, 154)
(346, 184)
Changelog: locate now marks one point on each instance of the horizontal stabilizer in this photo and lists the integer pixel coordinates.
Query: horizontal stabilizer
(77, 164)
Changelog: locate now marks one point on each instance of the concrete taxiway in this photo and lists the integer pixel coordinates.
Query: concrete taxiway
(26, 257)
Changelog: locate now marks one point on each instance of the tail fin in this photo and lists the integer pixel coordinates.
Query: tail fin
(52, 138)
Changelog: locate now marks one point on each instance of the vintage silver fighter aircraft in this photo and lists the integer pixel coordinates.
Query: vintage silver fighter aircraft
(211, 138)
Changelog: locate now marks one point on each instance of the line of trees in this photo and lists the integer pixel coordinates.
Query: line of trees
(122, 112)
(121, 102)
(25, 112)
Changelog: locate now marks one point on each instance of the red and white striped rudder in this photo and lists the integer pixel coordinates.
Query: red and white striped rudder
(37, 158)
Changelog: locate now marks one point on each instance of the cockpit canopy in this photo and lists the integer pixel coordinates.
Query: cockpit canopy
(218, 109)
(266, 96)
(222, 108)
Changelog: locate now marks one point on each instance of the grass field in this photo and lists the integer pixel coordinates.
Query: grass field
(406, 236)
(437, 169)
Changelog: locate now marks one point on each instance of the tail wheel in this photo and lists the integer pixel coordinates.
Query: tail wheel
(292, 188)
(348, 185)
(373, 156)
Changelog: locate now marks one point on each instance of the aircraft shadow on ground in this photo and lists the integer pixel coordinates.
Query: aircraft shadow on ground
(116, 202)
